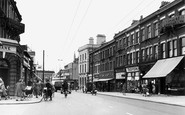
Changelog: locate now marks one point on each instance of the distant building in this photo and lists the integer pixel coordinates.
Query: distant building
(83, 64)
(47, 74)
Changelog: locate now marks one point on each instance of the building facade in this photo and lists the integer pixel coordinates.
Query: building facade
(11, 52)
(151, 50)
(83, 64)
(102, 66)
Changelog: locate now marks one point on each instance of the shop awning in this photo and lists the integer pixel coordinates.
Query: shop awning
(96, 80)
(163, 67)
(37, 77)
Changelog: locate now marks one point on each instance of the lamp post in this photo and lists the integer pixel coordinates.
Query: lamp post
(60, 68)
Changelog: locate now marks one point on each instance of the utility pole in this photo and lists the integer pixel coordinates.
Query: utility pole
(43, 64)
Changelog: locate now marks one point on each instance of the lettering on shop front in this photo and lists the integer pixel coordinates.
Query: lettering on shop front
(6, 48)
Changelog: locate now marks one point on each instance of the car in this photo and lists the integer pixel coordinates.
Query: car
(58, 85)
(89, 87)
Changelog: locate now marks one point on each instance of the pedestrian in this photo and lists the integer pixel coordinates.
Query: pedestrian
(19, 90)
(36, 88)
(2, 89)
(49, 89)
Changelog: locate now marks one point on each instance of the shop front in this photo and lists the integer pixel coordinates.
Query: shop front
(168, 76)
(120, 80)
(133, 79)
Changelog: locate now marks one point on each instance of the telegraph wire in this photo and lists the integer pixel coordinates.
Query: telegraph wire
(76, 32)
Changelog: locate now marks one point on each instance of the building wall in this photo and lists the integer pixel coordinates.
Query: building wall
(10, 50)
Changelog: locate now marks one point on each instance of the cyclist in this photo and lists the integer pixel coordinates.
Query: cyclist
(49, 89)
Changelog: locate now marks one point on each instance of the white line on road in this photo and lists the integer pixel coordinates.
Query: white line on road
(128, 113)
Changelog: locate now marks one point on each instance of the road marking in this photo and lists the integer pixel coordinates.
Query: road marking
(128, 113)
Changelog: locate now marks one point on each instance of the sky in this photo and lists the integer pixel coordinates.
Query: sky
(60, 27)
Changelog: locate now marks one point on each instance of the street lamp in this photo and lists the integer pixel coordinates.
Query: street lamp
(60, 68)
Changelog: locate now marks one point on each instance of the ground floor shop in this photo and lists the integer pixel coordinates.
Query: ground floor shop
(168, 76)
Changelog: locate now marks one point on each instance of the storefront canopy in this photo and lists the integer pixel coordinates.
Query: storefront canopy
(96, 80)
(163, 67)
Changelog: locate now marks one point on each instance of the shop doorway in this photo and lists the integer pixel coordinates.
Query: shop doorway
(4, 71)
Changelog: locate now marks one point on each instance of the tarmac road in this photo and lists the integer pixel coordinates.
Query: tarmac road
(86, 104)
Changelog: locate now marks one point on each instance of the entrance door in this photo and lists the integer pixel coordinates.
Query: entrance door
(4, 75)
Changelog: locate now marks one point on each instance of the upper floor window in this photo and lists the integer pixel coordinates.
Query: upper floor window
(137, 37)
(175, 47)
(156, 51)
(183, 45)
(143, 34)
(181, 10)
(149, 31)
(137, 57)
(163, 50)
(128, 40)
(132, 39)
(143, 54)
(156, 29)
(151, 53)
(170, 51)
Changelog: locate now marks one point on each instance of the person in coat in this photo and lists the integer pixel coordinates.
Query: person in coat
(2, 89)
(49, 89)
(20, 86)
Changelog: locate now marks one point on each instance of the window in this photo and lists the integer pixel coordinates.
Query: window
(131, 58)
(143, 54)
(128, 59)
(143, 34)
(147, 53)
(163, 51)
(156, 26)
(149, 31)
(151, 53)
(182, 12)
(132, 39)
(137, 37)
(134, 57)
(170, 51)
(156, 52)
(128, 40)
(175, 47)
(183, 45)
(137, 57)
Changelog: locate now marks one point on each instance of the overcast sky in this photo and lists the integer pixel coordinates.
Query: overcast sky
(60, 27)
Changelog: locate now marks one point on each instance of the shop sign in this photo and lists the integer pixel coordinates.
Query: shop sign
(120, 75)
(132, 69)
(173, 21)
(6, 48)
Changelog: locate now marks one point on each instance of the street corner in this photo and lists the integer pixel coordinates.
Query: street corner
(13, 101)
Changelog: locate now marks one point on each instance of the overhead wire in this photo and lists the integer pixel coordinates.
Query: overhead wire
(76, 32)
(118, 24)
(73, 20)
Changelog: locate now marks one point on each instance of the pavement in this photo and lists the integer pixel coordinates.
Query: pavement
(12, 100)
(163, 99)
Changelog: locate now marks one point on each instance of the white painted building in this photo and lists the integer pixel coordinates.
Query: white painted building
(83, 64)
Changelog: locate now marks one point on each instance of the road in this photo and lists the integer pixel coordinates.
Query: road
(85, 104)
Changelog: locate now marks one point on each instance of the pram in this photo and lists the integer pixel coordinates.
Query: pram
(28, 92)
